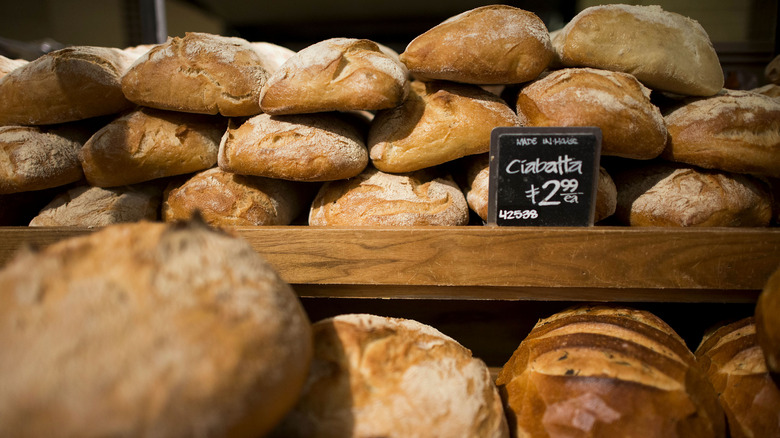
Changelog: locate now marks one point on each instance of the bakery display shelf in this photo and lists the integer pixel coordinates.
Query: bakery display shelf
(502, 263)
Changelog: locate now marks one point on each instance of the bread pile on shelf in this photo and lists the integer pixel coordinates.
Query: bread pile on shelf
(370, 137)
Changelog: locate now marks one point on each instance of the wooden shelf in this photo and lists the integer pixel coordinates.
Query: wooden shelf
(503, 263)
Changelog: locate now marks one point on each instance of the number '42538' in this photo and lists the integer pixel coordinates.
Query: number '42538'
(517, 214)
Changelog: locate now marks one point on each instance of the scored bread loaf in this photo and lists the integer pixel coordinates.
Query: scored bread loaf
(496, 44)
(598, 371)
(374, 376)
(732, 360)
(768, 324)
(148, 329)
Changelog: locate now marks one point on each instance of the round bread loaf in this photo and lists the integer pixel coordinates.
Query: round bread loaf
(768, 324)
(439, 122)
(300, 147)
(631, 126)
(7, 65)
(65, 85)
(226, 199)
(665, 195)
(736, 131)
(200, 73)
(664, 50)
(271, 55)
(148, 329)
(374, 376)
(606, 196)
(595, 371)
(496, 44)
(35, 158)
(338, 74)
(146, 144)
(86, 206)
(772, 70)
(733, 362)
(378, 198)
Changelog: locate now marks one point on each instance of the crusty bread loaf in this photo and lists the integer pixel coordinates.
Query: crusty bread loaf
(69, 84)
(771, 90)
(7, 65)
(271, 55)
(337, 74)
(768, 324)
(199, 73)
(606, 196)
(226, 199)
(137, 51)
(596, 371)
(631, 126)
(439, 122)
(378, 198)
(298, 147)
(666, 195)
(736, 131)
(772, 70)
(496, 44)
(86, 206)
(733, 362)
(664, 50)
(35, 158)
(148, 329)
(374, 376)
(146, 144)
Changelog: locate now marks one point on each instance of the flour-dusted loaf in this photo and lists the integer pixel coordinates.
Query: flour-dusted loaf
(147, 144)
(7, 65)
(668, 195)
(771, 90)
(86, 206)
(227, 199)
(734, 363)
(768, 324)
(439, 122)
(736, 131)
(374, 376)
(424, 197)
(496, 44)
(631, 125)
(337, 74)
(271, 55)
(297, 147)
(148, 329)
(664, 50)
(198, 73)
(607, 371)
(65, 85)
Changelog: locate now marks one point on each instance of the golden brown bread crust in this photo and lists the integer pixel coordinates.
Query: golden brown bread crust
(607, 371)
(768, 324)
(69, 84)
(664, 50)
(199, 73)
(374, 376)
(148, 329)
(495, 44)
(631, 126)
(147, 144)
(732, 360)
(226, 199)
(439, 122)
(338, 74)
(299, 147)
(606, 196)
(736, 131)
(376, 198)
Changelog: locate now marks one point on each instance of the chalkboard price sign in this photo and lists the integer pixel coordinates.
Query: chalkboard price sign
(542, 176)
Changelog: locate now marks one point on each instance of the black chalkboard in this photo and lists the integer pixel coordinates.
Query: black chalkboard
(542, 176)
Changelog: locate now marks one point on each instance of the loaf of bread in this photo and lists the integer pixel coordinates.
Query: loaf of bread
(7, 65)
(439, 122)
(86, 206)
(297, 147)
(374, 376)
(65, 85)
(736, 131)
(199, 73)
(772, 70)
(496, 44)
(631, 125)
(147, 144)
(606, 196)
(664, 50)
(272, 56)
(732, 360)
(768, 324)
(148, 329)
(423, 197)
(597, 371)
(771, 90)
(227, 199)
(665, 195)
(337, 74)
